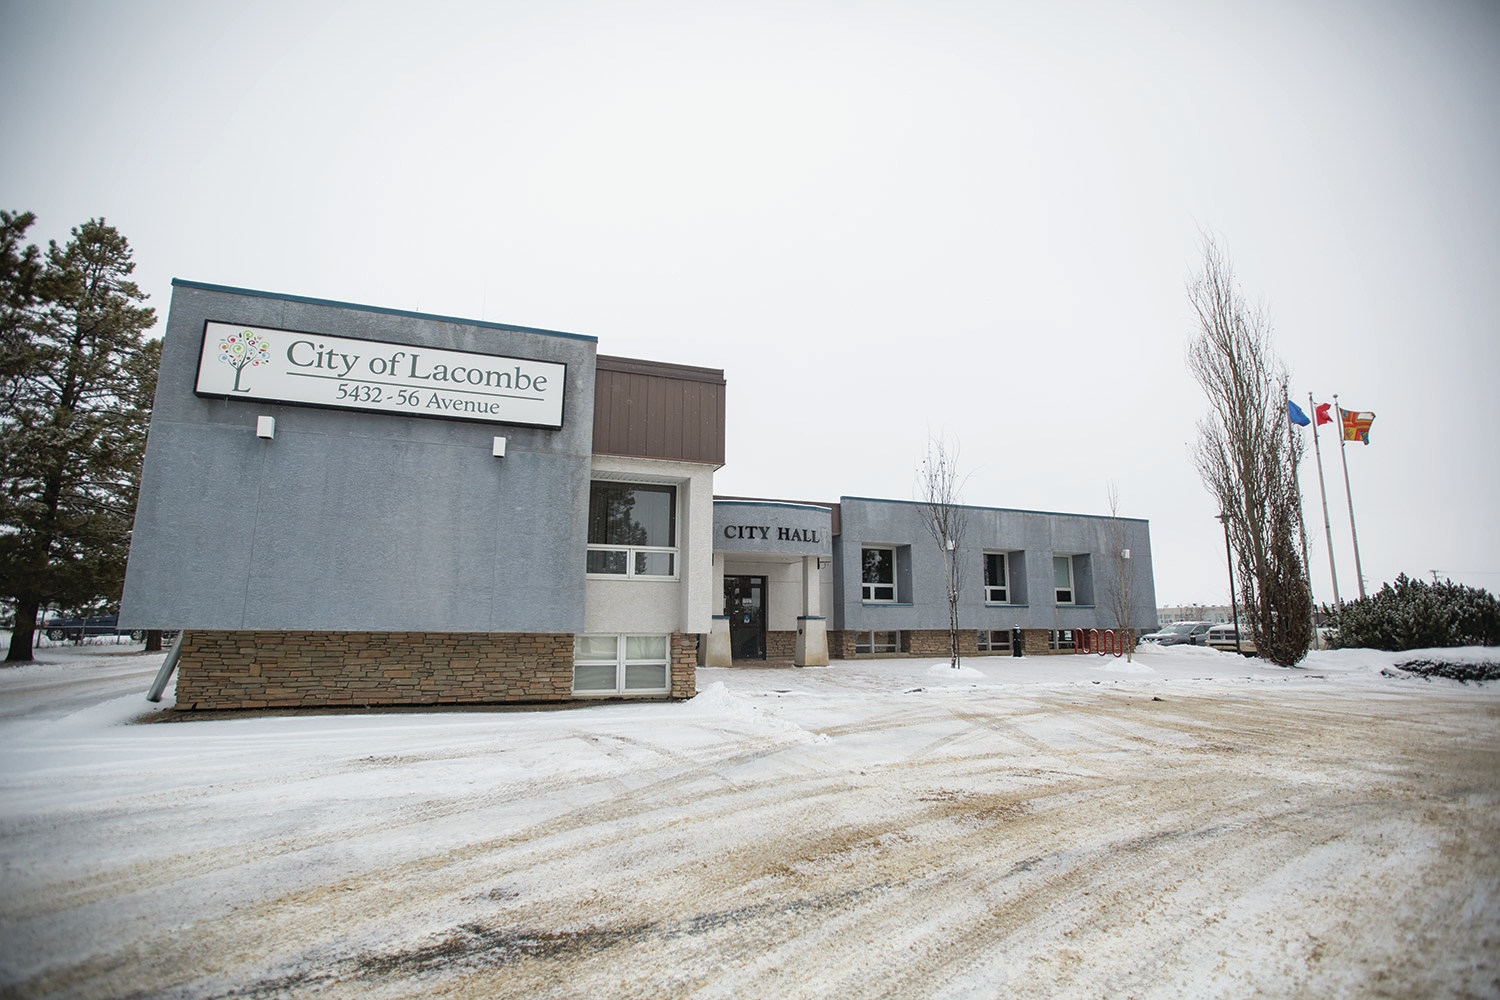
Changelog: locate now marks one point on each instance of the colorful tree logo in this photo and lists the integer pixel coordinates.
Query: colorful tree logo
(244, 350)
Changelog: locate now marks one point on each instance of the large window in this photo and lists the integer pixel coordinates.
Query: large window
(994, 640)
(621, 664)
(632, 530)
(877, 642)
(878, 575)
(1062, 579)
(996, 578)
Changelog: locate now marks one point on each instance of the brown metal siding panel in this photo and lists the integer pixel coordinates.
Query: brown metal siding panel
(692, 421)
(677, 429)
(719, 425)
(638, 440)
(651, 410)
(656, 426)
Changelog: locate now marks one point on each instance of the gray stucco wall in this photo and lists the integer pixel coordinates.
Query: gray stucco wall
(357, 520)
(922, 597)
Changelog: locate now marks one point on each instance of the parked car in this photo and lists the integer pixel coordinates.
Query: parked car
(1223, 637)
(76, 629)
(1180, 634)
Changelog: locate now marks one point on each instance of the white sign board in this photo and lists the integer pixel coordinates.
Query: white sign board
(281, 366)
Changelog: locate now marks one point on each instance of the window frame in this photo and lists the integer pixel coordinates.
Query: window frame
(622, 662)
(865, 644)
(1072, 588)
(985, 641)
(636, 557)
(1056, 640)
(868, 587)
(1004, 588)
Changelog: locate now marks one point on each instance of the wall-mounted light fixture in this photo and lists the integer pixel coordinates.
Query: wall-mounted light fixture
(499, 451)
(1124, 553)
(265, 427)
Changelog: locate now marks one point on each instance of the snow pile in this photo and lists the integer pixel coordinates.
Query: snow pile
(1463, 665)
(962, 672)
(1189, 823)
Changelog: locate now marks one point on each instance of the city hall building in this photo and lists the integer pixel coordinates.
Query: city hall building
(344, 505)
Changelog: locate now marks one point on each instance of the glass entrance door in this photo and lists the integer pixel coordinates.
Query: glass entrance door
(745, 604)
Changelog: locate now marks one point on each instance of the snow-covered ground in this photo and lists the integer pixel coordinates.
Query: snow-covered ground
(1192, 824)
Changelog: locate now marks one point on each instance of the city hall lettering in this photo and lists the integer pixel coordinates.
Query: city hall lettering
(763, 531)
(240, 362)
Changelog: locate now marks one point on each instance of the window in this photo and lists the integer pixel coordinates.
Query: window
(878, 642)
(996, 578)
(994, 640)
(1060, 639)
(621, 664)
(632, 530)
(879, 575)
(1062, 578)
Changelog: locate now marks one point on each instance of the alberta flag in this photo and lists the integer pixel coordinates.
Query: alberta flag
(1295, 413)
(1356, 425)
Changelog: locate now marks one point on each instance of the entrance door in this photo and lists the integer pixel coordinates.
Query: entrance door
(745, 604)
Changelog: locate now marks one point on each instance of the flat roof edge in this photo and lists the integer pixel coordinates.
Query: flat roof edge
(1008, 510)
(665, 369)
(826, 508)
(382, 310)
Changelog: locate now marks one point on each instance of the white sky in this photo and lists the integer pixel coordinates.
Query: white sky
(883, 221)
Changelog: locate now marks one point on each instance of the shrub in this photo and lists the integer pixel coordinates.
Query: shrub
(1460, 671)
(1412, 614)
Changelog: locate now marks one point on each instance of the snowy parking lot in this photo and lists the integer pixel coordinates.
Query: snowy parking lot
(1192, 824)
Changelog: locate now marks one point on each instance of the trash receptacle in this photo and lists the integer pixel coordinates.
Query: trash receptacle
(1015, 641)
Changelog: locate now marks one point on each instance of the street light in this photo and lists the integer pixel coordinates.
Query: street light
(1234, 609)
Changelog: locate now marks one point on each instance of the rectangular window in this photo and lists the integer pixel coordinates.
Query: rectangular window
(621, 664)
(632, 530)
(993, 640)
(1062, 578)
(1060, 639)
(878, 575)
(878, 642)
(996, 578)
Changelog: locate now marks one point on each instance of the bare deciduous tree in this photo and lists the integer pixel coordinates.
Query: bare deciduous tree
(1244, 458)
(1120, 578)
(946, 520)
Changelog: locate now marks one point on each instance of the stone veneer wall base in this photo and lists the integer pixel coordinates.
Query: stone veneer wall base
(303, 669)
(934, 643)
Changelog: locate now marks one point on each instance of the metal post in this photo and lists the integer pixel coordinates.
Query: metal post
(1323, 492)
(1234, 607)
(1349, 495)
(1291, 444)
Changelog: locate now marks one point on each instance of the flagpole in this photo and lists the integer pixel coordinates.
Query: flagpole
(1291, 447)
(1349, 494)
(1323, 492)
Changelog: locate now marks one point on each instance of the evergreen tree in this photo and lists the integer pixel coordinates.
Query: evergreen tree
(19, 270)
(78, 380)
(1411, 614)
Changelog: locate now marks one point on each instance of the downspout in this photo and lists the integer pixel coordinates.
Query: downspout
(165, 673)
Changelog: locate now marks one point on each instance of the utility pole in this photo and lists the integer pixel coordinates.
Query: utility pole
(1234, 607)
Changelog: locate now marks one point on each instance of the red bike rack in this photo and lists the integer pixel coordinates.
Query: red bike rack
(1094, 641)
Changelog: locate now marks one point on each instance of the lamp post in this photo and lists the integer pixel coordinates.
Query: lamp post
(1234, 608)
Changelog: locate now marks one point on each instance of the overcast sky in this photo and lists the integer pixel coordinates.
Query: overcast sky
(883, 221)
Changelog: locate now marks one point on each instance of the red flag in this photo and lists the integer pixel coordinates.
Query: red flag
(1356, 425)
(1322, 413)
